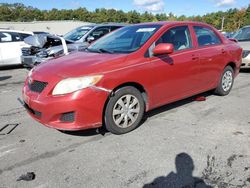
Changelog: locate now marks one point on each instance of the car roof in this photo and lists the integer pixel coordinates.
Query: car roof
(173, 23)
(35, 32)
(111, 24)
(17, 31)
(104, 24)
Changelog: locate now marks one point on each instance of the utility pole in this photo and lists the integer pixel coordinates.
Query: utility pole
(222, 23)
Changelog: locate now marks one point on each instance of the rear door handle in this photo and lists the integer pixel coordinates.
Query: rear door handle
(223, 51)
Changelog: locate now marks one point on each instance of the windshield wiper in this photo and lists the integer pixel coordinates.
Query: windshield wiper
(102, 50)
(242, 40)
(91, 50)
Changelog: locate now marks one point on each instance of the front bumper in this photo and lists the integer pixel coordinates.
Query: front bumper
(31, 61)
(85, 105)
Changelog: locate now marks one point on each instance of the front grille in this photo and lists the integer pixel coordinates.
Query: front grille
(245, 53)
(34, 112)
(37, 86)
(68, 117)
(26, 51)
(27, 60)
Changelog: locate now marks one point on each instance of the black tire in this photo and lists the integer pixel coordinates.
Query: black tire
(121, 94)
(220, 90)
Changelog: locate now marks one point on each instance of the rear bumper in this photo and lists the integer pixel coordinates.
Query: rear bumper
(85, 105)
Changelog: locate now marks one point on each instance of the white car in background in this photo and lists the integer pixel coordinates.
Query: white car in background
(243, 38)
(11, 43)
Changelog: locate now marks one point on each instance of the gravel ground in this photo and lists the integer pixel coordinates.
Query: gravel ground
(182, 144)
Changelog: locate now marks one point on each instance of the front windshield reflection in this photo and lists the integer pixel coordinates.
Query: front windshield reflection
(77, 33)
(125, 40)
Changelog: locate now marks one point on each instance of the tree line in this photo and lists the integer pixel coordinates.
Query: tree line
(233, 18)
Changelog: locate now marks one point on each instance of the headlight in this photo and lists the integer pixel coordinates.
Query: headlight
(70, 85)
(245, 53)
(42, 54)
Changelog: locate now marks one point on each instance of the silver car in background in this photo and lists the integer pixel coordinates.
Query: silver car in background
(47, 46)
(243, 38)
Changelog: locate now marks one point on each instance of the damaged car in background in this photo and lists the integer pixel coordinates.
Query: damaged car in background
(44, 47)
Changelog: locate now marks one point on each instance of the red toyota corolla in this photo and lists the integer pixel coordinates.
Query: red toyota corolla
(130, 71)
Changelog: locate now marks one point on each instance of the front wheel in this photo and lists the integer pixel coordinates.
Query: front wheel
(226, 81)
(124, 110)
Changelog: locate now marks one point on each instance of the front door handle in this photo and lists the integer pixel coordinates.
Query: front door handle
(195, 57)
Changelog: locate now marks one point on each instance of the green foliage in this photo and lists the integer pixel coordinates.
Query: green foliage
(233, 18)
(247, 16)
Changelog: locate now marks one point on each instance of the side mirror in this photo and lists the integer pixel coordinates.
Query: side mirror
(163, 48)
(90, 39)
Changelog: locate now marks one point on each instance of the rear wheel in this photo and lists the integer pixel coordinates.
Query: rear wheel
(124, 110)
(226, 81)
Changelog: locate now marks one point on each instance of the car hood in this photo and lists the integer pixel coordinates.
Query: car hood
(80, 63)
(44, 40)
(245, 45)
(71, 47)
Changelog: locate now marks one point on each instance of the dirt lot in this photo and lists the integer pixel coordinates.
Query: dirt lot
(185, 143)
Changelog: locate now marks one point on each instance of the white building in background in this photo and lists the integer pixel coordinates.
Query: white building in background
(53, 27)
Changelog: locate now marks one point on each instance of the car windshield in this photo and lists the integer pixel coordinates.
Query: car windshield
(77, 33)
(243, 34)
(125, 40)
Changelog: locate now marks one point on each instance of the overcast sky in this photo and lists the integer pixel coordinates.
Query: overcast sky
(178, 7)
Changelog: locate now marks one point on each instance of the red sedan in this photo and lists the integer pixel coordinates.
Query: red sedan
(130, 71)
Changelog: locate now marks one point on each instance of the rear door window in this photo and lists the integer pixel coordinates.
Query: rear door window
(9, 37)
(206, 36)
(5, 37)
